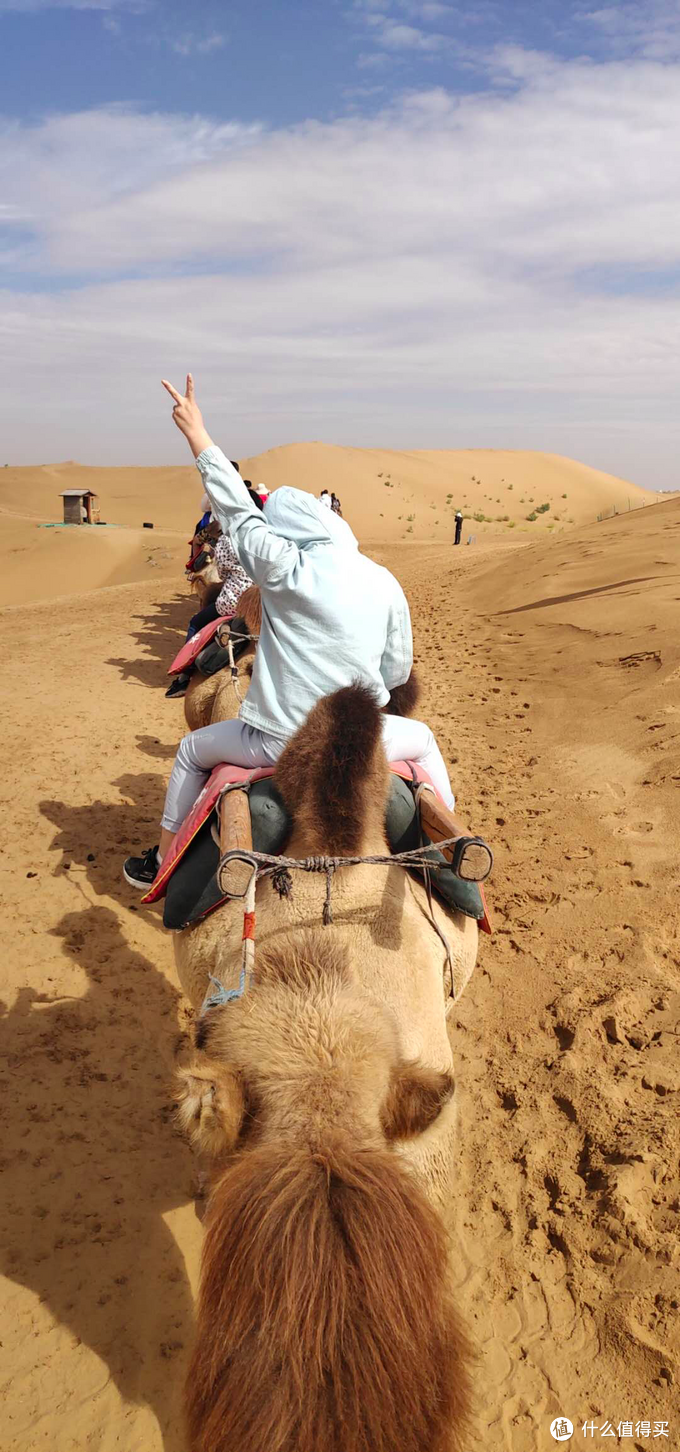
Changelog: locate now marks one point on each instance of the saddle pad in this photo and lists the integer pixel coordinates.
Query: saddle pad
(227, 775)
(191, 648)
(203, 807)
(193, 891)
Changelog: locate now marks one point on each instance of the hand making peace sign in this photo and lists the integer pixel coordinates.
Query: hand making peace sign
(188, 416)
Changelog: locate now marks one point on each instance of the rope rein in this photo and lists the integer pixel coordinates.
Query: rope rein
(234, 635)
(279, 868)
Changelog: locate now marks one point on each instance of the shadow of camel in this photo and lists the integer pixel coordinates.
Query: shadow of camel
(160, 638)
(92, 1163)
(95, 839)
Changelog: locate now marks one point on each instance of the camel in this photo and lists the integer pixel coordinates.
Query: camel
(215, 698)
(205, 579)
(323, 1097)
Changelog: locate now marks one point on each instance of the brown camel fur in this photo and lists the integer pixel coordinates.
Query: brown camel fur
(325, 1097)
(404, 699)
(213, 698)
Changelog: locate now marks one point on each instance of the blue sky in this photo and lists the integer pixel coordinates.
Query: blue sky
(407, 223)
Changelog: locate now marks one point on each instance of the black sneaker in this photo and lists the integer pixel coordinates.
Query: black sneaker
(142, 871)
(178, 687)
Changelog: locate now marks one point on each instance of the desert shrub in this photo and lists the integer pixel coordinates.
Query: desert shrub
(512, 524)
(564, 496)
(542, 508)
(410, 518)
(479, 518)
(532, 516)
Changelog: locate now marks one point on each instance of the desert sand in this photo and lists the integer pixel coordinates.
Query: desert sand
(551, 667)
(388, 496)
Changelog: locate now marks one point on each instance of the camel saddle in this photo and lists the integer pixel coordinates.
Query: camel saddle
(188, 881)
(205, 654)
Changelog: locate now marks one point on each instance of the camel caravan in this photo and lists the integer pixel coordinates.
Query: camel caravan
(325, 906)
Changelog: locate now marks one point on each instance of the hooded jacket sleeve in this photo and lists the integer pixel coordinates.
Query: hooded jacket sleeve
(266, 558)
(397, 658)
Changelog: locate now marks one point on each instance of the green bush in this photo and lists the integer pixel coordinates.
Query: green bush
(512, 524)
(564, 496)
(542, 508)
(479, 518)
(532, 516)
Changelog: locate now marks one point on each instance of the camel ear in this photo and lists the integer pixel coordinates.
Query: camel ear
(210, 1106)
(415, 1098)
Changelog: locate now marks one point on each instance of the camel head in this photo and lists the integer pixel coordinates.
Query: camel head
(304, 1051)
(204, 577)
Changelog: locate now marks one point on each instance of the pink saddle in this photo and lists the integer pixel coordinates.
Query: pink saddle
(221, 777)
(192, 648)
(227, 775)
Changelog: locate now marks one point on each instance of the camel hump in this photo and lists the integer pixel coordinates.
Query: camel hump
(333, 775)
(325, 1317)
(249, 608)
(404, 699)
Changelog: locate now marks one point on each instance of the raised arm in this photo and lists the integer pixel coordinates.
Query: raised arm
(268, 559)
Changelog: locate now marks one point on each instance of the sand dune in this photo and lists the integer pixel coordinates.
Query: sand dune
(414, 496)
(386, 497)
(552, 678)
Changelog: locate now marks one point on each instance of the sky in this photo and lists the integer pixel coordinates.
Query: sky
(390, 223)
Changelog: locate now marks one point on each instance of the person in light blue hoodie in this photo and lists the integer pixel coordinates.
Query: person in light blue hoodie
(330, 616)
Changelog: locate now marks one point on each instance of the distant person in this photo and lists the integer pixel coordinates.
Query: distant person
(459, 527)
(325, 498)
(335, 505)
(262, 492)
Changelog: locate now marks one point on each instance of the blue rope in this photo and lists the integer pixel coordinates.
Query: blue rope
(223, 995)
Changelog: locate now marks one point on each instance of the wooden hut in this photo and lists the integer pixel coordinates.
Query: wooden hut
(80, 506)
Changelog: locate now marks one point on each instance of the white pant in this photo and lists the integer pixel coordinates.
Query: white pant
(242, 745)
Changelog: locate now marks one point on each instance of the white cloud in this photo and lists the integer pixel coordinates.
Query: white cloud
(477, 268)
(394, 36)
(388, 25)
(649, 28)
(190, 43)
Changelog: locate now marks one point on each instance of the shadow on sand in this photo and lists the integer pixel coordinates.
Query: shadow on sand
(95, 839)
(578, 595)
(160, 638)
(93, 1163)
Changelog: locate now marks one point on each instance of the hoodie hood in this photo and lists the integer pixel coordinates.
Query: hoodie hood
(299, 517)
